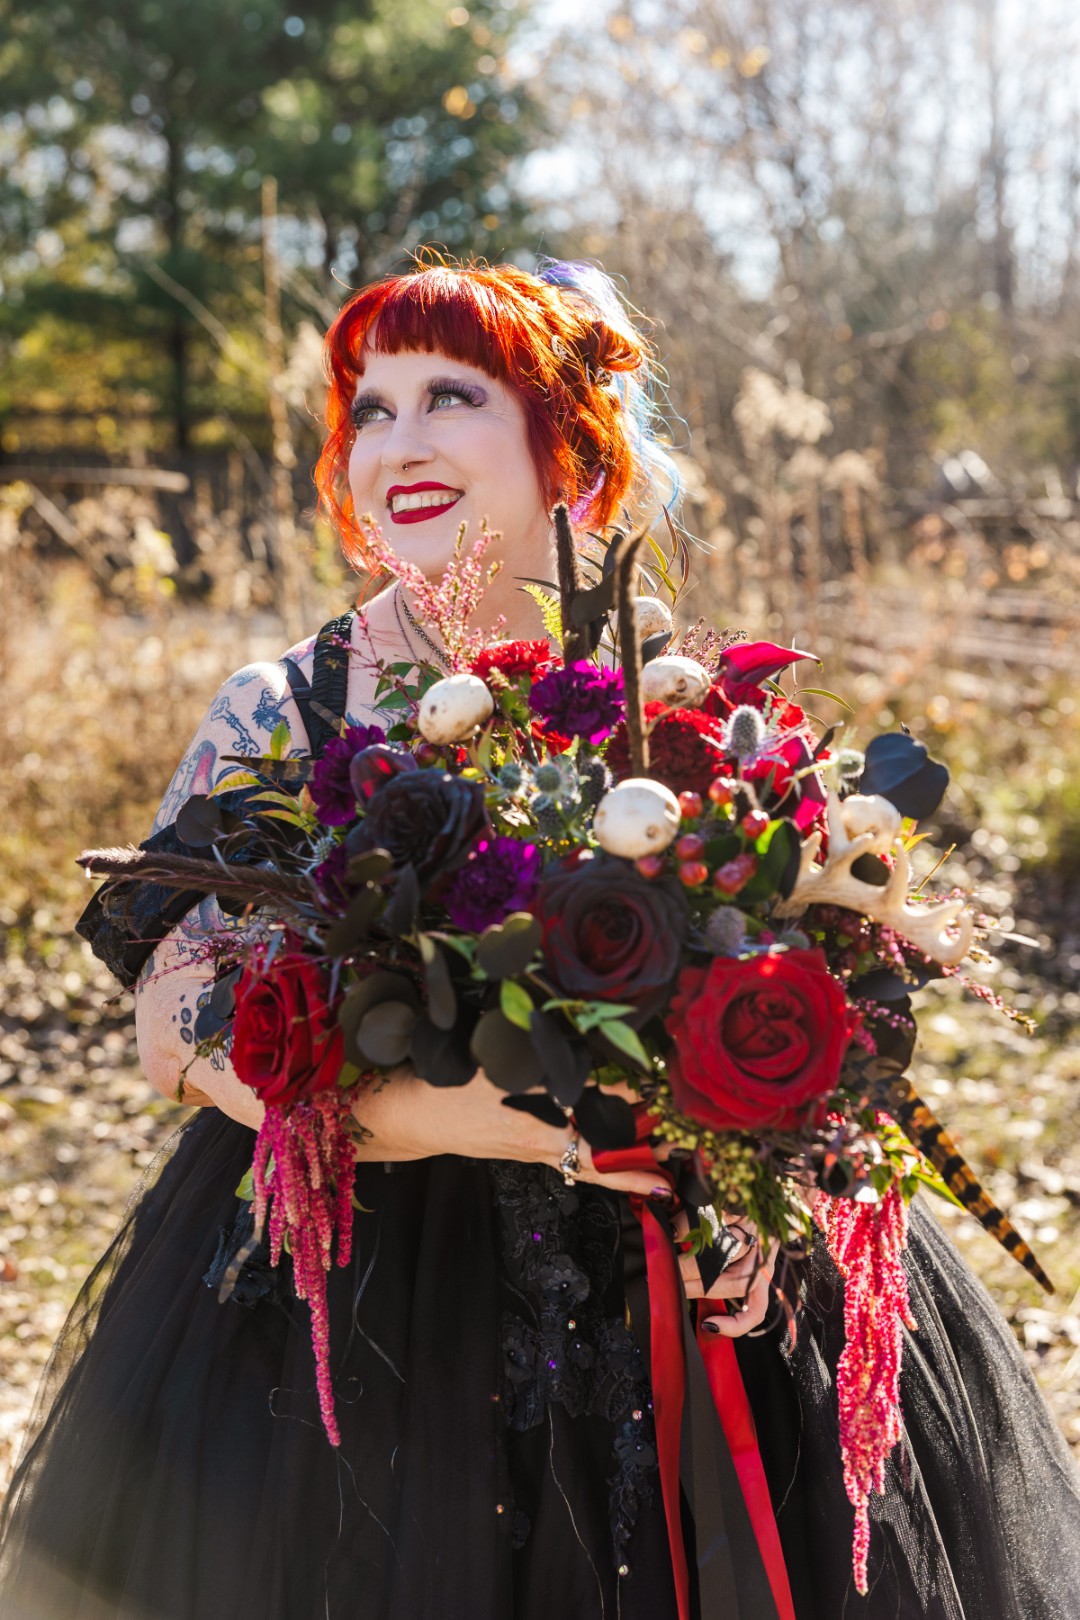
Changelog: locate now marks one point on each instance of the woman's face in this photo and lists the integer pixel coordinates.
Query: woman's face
(463, 435)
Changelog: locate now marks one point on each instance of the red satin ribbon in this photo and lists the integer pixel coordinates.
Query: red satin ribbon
(666, 1305)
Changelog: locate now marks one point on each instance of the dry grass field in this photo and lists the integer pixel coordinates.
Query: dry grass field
(101, 691)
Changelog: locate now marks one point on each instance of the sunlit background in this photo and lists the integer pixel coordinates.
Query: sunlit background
(855, 232)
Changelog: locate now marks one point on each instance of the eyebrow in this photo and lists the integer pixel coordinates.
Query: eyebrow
(433, 385)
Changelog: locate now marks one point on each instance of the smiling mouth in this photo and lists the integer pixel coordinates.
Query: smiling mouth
(416, 508)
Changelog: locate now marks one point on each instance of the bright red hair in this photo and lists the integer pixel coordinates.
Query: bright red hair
(550, 344)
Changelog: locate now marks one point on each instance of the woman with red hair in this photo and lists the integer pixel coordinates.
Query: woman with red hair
(489, 1345)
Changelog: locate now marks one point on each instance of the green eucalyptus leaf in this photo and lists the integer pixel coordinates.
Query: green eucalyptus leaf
(627, 1040)
(505, 1053)
(505, 949)
(516, 1003)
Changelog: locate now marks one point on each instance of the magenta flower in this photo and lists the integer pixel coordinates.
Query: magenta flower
(330, 788)
(500, 877)
(580, 700)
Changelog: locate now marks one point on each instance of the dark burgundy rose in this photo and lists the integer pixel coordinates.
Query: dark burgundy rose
(757, 1042)
(427, 818)
(330, 787)
(287, 1043)
(610, 934)
(373, 767)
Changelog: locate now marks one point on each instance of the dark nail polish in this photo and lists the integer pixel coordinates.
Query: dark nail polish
(665, 1194)
(710, 1325)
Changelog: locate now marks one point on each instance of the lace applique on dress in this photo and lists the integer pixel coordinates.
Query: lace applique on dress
(561, 1250)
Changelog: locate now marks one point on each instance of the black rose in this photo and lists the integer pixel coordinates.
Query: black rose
(427, 819)
(374, 766)
(610, 934)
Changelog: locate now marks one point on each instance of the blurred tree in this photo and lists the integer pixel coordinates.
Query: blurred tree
(876, 203)
(136, 138)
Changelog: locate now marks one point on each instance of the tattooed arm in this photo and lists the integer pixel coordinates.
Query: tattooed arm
(171, 987)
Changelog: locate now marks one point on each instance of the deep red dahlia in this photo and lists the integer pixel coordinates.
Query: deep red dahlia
(513, 659)
(684, 749)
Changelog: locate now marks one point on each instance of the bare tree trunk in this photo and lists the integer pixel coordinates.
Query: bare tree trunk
(995, 162)
(283, 510)
(178, 329)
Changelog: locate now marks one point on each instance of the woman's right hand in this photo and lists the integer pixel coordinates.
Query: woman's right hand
(409, 1119)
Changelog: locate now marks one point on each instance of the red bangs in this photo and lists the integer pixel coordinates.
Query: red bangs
(547, 346)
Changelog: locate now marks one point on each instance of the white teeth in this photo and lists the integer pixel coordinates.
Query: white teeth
(431, 497)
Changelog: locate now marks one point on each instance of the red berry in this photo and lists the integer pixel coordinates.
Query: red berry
(754, 823)
(650, 866)
(427, 753)
(691, 806)
(693, 874)
(690, 847)
(722, 790)
(735, 874)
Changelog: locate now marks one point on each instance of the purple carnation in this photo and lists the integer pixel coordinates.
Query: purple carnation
(330, 787)
(580, 700)
(331, 875)
(500, 877)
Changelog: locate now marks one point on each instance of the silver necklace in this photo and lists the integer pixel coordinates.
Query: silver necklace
(400, 605)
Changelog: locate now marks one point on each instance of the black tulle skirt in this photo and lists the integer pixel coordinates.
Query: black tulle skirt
(496, 1459)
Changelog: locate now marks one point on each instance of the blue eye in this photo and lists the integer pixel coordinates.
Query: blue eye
(360, 407)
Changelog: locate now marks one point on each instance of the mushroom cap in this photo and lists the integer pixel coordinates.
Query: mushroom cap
(452, 709)
(637, 817)
(682, 683)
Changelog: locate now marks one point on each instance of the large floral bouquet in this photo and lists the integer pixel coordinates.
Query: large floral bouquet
(655, 876)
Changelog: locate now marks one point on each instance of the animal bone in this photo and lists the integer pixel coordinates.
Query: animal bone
(834, 884)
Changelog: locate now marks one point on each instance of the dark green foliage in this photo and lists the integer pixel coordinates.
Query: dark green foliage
(140, 135)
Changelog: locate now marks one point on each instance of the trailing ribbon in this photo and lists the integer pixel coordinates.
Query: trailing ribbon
(705, 1439)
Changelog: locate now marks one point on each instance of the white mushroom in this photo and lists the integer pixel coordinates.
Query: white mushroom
(870, 813)
(651, 617)
(681, 683)
(452, 709)
(638, 817)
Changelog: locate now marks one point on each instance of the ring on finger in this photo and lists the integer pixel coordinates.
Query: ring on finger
(570, 1163)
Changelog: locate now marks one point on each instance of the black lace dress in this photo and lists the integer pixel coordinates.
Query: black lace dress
(498, 1456)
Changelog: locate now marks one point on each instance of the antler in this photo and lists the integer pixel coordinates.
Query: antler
(835, 884)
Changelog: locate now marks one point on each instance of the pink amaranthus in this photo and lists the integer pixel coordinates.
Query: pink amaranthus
(866, 1241)
(308, 1187)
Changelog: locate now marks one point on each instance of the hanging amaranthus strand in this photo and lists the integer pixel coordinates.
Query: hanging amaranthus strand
(309, 1190)
(866, 1242)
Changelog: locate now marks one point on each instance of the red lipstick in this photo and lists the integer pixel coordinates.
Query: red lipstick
(419, 513)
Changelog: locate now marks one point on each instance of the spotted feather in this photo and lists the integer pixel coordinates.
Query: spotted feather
(928, 1134)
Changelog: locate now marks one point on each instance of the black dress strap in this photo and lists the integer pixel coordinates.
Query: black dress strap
(329, 681)
(125, 921)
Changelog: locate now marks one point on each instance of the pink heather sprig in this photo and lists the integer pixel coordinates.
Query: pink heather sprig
(449, 605)
(308, 1189)
(866, 1241)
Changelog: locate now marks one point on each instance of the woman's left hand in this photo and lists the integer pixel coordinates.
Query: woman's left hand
(746, 1282)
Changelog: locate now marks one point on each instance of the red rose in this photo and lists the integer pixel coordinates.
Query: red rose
(287, 1043)
(757, 1042)
(513, 659)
